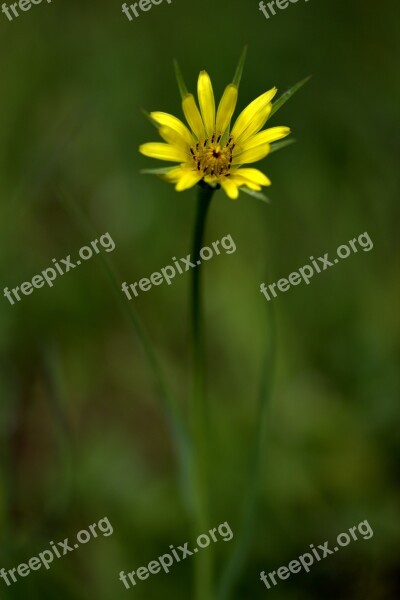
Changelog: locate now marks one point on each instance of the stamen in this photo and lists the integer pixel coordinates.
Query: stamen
(211, 158)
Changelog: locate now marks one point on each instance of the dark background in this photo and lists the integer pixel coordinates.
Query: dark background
(82, 433)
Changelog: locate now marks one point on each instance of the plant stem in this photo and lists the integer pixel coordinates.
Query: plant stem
(203, 561)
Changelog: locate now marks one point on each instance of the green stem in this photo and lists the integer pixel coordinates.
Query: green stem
(203, 563)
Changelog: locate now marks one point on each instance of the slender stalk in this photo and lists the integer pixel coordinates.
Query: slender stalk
(203, 563)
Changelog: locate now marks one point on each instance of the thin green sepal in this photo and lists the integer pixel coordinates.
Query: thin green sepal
(287, 95)
(239, 69)
(258, 195)
(179, 78)
(280, 145)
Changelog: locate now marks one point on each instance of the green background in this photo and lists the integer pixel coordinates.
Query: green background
(82, 432)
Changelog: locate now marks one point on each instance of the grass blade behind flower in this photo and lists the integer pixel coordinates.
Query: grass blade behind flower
(237, 559)
(179, 434)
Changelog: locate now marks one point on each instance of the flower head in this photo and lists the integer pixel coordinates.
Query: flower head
(208, 150)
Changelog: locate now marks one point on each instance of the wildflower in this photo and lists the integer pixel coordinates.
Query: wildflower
(208, 151)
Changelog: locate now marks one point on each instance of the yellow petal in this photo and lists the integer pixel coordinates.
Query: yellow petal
(174, 123)
(163, 152)
(226, 108)
(174, 138)
(173, 175)
(248, 114)
(211, 179)
(252, 155)
(269, 135)
(241, 181)
(253, 175)
(250, 185)
(254, 126)
(230, 188)
(193, 116)
(188, 180)
(206, 101)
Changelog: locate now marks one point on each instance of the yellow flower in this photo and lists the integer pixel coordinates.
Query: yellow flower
(208, 150)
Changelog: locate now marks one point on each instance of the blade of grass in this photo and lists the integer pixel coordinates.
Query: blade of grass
(231, 573)
(179, 434)
(58, 503)
(43, 160)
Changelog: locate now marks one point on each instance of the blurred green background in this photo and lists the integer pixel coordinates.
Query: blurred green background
(81, 429)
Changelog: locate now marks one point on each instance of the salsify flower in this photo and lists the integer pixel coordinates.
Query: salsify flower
(208, 150)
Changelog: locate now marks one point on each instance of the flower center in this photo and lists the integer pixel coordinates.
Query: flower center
(211, 158)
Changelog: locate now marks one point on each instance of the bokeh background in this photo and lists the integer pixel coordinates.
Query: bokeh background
(82, 432)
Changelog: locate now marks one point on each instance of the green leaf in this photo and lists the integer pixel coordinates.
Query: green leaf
(287, 95)
(179, 77)
(255, 194)
(239, 69)
(160, 171)
(279, 145)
